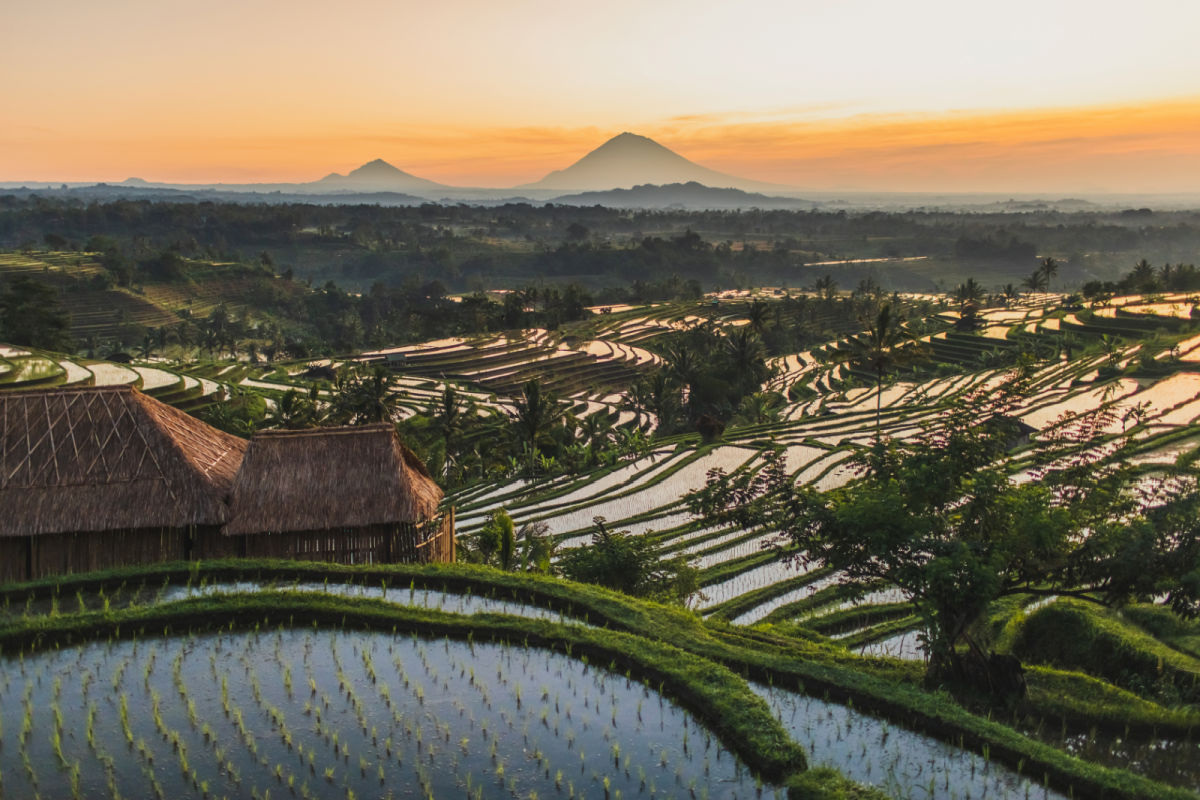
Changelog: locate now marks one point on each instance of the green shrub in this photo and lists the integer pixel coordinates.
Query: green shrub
(1074, 635)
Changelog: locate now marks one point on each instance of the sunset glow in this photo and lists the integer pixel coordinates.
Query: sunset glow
(1050, 96)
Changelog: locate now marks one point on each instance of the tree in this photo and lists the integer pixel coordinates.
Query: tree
(1036, 281)
(31, 315)
(826, 286)
(536, 548)
(969, 293)
(886, 345)
(1143, 276)
(596, 431)
(940, 518)
(1049, 268)
(294, 411)
(361, 398)
(630, 564)
(497, 543)
(447, 417)
(756, 314)
(533, 414)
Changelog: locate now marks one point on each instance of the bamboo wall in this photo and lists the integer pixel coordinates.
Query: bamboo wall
(28, 557)
(408, 543)
(14, 558)
(24, 558)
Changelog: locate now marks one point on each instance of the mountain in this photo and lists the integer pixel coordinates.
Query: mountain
(374, 176)
(630, 160)
(690, 195)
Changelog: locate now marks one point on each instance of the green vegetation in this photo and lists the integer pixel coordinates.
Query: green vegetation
(888, 480)
(940, 519)
(31, 314)
(630, 564)
(1072, 635)
(767, 658)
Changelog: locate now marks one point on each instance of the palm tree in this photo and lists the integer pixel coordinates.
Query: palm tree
(757, 314)
(1049, 268)
(183, 334)
(596, 431)
(534, 412)
(885, 346)
(760, 407)
(682, 362)
(969, 292)
(1067, 342)
(376, 401)
(1111, 345)
(826, 286)
(360, 399)
(1144, 277)
(293, 411)
(746, 352)
(1036, 281)
(448, 418)
(148, 346)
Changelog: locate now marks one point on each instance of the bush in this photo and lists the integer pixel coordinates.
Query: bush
(1070, 634)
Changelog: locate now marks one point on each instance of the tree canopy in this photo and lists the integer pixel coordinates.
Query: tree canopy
(630, 564)
(31, 315)
(954, 520)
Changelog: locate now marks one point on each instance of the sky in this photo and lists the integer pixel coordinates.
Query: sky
(926, 95)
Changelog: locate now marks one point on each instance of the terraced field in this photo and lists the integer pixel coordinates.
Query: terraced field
(100, 311)
(744, 579)
(506, 697)
(1139, 362)
(504, 363)
(174, 385)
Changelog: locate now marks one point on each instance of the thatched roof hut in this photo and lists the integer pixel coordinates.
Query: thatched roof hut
(330, 479)
(109, 458)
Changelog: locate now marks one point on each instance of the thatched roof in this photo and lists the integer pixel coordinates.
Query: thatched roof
(328, 479)
(105, 458)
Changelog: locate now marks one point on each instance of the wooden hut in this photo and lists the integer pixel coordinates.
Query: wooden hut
(96, 477)
(352, 495)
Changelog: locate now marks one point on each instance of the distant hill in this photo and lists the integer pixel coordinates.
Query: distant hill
(374, 176)
(630, 160)
(690, 195)
(246, 194)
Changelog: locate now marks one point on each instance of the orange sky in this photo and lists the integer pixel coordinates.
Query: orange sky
(931, 95)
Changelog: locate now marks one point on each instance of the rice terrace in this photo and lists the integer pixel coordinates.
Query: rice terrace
(620, 401)
(769, 671)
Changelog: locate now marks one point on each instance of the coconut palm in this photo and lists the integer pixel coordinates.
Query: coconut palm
(533, 414)
(447, 417)
(969, 292)
(826, 286)
(376, 401)
(747, 357)
(1111, 345)
(1144, 277)
(596, 431)
(1036, 281)
(292, 411)
(885, 346)
(757, 315)
(1049, 268)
